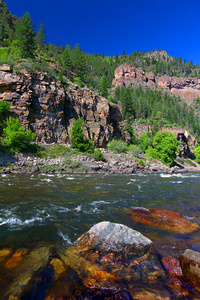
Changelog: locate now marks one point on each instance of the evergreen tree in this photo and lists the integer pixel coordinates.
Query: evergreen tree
(103, 86)
(79, 62)
(78, 139)
(26, 36)
(66, 61)
(41, 36)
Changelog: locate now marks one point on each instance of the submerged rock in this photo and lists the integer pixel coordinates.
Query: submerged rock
(16, 258)
(164, 219)
(23, 271)
(190, 265)
(172, 265)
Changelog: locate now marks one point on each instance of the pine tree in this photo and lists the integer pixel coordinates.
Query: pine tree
(103, 86)
(26, 36)
(66, 61)
(41, 36)
(79, 62)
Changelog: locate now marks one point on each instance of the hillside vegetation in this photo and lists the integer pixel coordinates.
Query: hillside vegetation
(25, 49)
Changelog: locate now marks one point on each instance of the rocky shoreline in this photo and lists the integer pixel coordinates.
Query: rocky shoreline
(76, 163)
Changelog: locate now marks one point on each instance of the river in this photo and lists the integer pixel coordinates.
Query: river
(59, 208)
(56, 209)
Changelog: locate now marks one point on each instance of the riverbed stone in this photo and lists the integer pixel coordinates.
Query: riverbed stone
(171, 265)
(16, 258)
(190, 265)
(129, 254)
(164, 219)
(23, 273)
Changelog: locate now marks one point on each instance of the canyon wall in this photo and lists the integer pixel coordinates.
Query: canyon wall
(49, 108)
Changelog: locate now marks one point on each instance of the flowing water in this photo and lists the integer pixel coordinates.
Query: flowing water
(59, 208)
(56, 209)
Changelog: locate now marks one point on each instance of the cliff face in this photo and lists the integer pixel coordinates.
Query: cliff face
(187, 88)
(49, 109)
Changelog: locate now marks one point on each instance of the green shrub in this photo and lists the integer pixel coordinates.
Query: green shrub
(78, 81)
(4, 108)
(164, 147)
(98, 155)
(141, 163)
(197, 153)
(16, 138)
(145, 141)
(78, 140)
(60, 77)
(136, 151)
(117, 146)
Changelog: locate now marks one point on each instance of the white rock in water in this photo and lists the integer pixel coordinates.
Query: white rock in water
(112, 236)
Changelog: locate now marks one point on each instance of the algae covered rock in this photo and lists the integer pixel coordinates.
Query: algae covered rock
(164, 219)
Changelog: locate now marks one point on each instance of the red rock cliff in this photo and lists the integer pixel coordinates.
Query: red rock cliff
(48, 108)
(187, 88)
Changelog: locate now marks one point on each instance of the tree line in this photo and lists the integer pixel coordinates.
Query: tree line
(156, 107)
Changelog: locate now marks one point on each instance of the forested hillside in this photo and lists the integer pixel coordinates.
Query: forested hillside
(26, 49)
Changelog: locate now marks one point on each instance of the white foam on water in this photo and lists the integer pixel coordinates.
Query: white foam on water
(180, 175)
(64, 237)
(78, 208)
(100, 202)
(60, 208)
(166, 175)
(50, 175)
(179, 182)
(70, 178)
(3, 175)
(97, 187)
(11, 221)
(46, 179)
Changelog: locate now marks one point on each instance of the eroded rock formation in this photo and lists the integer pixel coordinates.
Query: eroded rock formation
(48, 108)
(187, 88)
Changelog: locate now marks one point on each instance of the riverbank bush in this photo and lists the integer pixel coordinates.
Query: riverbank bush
(98, 155)
(117, 146)
(197, 153)
(136, 151)
(164, 147)
(16, 138)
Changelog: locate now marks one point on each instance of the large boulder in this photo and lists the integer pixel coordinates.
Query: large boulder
(110, 259)
(121, 251)
(164, 219)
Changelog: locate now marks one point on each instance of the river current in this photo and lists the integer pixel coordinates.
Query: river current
(38, 208)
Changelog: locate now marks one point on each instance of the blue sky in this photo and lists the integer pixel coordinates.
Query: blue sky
(111, 27)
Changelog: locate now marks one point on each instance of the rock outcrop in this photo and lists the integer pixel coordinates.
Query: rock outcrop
(187, 88)
(49, 108)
